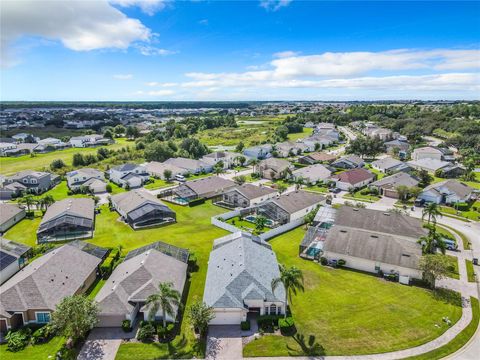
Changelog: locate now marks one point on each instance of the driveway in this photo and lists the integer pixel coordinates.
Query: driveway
(103, 344)
(224, 342)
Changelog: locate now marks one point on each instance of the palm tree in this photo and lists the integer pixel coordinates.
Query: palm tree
(165, 298)
(431, 211)
(46, 201)
(298, 183)
(254, 163)
(29, 201)
(431, 242)
(292, 280)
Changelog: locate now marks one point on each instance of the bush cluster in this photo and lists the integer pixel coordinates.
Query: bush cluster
(245, 325)
(268, 323)
(126, 325)
(287, 326)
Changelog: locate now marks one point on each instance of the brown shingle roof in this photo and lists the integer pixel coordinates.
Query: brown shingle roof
(354, 176)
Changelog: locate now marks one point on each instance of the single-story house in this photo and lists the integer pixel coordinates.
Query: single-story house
(355, 178)
(389, 165)
(129, 175)
(289, 148)
(374, 241)
(88, 177)
(273, 168)
(428, 164)
(141, 209)
(349, 162)
(397, 147)
(205, 188)
(447, 192)
(388, 185)
(317, 157)
(10, 214)
(312, 174)
(68, 219)
(240, 271)
(319, 141)
(190, 166)
(50, 144)
(259, 152)
(453, 170)
(247, 195)
(229, 159)
(432, 152)
(379, 132)
(157, 169)
(32, 294)
(126, 291)
(89, 140)
(291, 206)
(13, 257)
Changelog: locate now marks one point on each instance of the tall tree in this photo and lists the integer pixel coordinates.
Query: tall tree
(431, 211)
(292, 280)
(166, 299)
(200, 314)
(434, 267)
(167, 174)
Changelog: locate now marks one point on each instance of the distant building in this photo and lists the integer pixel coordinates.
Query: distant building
(129, 175)
(315, 158)
(157, 169)
(259, 152)
(349, 162)
(431, 152)
(390, 165)
(89, 141)
(93, 179)
(273, 168)
(191, 166)
(229, 159)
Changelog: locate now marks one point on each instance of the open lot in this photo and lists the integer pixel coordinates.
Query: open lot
(353, 313)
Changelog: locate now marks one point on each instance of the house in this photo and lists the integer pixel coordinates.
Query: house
(388, 185)
(240, 271)
(24, 137)
(203, 188)
(432, 152)
(13, 257)
(7, 192)
(447, 192)
(190, 166)
(259, 152)
(89, 140)
(397, 146)
(312, 174)
(274, 168)
(6, 149)
(141, 209)
(349, 162)
(129, 175)
(68, 219)
(157, 169)
(93, 179)
(247, 195)
(317, 157)
(10, 214)
(453, 171)
(50, 144)
(36, 182)
(355, 178)
(374, 241)
(381, 133)
(291, 206)
(289, 148)
(229, 159)
(319, 141)
(126, 291)
(428, 164)
(32, 294)
(389, 165)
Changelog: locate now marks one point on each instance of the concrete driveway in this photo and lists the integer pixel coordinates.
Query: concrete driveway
(224, 342)
(103, 344)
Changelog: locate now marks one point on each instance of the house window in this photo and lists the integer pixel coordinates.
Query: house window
(279, 310)
(266, 310)
(273, 309)
(43, 317)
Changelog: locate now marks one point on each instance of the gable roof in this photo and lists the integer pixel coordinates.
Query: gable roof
(76, 207)
(320, 156)
(354, 159)
(428, 164)
(397, 179)
(208, 184)
(159, 168)
(126, 167)
(275, 164)
(297, 200)
(8, 211)
(251, 191)
(354, 176)
(44, 282)
(241, 267)
(132, 200)
(387, 163)
(187, 164)
(317, 171)
(453, 186)
(87, 172)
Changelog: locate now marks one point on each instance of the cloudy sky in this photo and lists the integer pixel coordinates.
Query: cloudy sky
(245, 50)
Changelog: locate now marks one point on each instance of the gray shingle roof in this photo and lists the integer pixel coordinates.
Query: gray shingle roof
(87, 172)
(460, 189)
(208, 184)
(47, 280)
(126, 167)
(313, 171)
(298, 200)
(395, 180)
(131, 200)
(241, 267)
(187, 164)
(8, 211)
(275, 164)
(251, 191)
(387, 163)
(77, 207)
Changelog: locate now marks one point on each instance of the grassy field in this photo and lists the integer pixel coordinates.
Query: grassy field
(34, 352)
(453, 267)
(11, 165)
(353, 313)
(359, 196)
(317, 188)
(470, 271)
(158, 184)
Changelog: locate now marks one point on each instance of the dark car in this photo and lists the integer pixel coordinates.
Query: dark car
(419, 202)
(335, 190)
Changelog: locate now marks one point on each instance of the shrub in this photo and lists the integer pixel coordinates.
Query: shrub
(287, 326)
(146, 332)
(106, 267)
(268, 323)
(109, 188)
(43, 334)
(126, 325)
(323, 260)
(365, 191)
(165, 333)
(17, 340)
(461, 206)
(245, 325)
(341, 262)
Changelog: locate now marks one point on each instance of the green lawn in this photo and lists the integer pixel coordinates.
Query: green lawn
(158, 184)
(453, 267)
(34, 352)
(95, 288)
(380, 175)
(353, 313)
(470, 271)
(465, 242)
(317, 188)
(469, 214)
(244, 225)
(11, 165)
(306, 132)
(60, 192)
(358, 196)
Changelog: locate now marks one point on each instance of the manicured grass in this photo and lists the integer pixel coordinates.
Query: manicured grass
(245, 225)
(358, 196)
(95, 288)
(350, 313)
(11, 165)
(34, 352)
(158, 184)
(465, 242)
(453, 267)
(470, 271)
(25, 231)
(317, 188)
(380, 175)
(459, 341)
(306, 132)
(470, 214)
(59, 192)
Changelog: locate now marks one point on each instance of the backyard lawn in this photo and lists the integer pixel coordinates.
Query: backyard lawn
(359, 196)
(349, 312)
(158, 184)
(34, 352)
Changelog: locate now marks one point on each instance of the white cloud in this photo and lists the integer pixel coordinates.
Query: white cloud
(149, 7)
(285, 54)
(159, 84)
(123, 76)
(161, 93)
(274, 5)
(203, 22)
(78, 25)
(148, 50)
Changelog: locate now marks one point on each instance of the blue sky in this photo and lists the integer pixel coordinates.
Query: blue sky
(245, 50)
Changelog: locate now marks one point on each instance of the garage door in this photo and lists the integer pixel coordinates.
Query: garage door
(110, 320)
(227, 318)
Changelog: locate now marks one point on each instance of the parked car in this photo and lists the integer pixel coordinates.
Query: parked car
(335, 190)
(450, 244)
(180, 178)
(419, 202)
